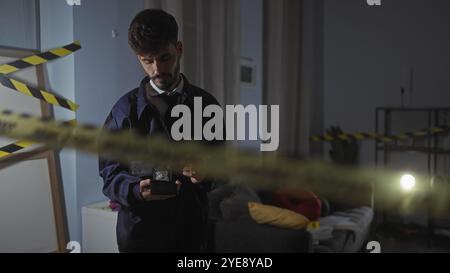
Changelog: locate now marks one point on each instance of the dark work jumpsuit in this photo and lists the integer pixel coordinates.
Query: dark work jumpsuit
(173, 225)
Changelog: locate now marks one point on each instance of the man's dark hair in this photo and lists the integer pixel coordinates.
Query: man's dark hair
(152, 30)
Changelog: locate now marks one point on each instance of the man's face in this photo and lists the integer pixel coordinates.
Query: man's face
(163, 67)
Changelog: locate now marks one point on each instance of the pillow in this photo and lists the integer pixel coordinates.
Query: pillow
(234, 207)
(301, 201)
(215, 198)
(275, 216)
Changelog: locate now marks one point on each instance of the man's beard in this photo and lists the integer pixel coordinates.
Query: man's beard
(165, 81)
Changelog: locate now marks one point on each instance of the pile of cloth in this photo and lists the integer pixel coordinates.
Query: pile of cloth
(343, 231)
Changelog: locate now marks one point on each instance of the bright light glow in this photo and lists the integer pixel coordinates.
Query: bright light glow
(407, 182)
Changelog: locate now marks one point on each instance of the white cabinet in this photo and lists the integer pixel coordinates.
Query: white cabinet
(99, 229)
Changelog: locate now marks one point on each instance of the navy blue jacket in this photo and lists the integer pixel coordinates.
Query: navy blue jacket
(176, 224)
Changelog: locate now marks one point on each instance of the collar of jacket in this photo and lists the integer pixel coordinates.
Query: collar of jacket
(142, 102)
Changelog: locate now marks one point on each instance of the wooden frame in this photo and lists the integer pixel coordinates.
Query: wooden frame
(40, 156)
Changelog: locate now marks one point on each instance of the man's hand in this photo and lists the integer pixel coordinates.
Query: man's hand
(146, 192)
(195, 178)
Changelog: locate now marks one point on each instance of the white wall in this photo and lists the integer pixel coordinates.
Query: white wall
(18, 24)
(365, 51)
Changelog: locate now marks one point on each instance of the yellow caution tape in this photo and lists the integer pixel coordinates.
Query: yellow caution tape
(268, 171)
(40, 58)
(19, 145)
(14, 147)
(43, 95)
(124, 146)
(37, 93)
(37, 60)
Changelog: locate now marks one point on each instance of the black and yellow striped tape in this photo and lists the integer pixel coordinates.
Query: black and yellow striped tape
(33, 61)
(381, 138)
(43, 95)
(21, 144)
(37, 93)
(14, 147)
(126, 146)
(39, 58)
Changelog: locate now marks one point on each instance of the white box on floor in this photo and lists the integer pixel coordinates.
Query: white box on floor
(99, 229)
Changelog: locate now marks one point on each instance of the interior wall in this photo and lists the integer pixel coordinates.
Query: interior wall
(251, 50)
(369, 52)
(19, 24)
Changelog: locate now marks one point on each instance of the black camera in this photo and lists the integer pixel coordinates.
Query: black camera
(162, 180)
(162, 183)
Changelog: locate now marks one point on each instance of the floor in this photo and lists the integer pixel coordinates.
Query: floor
(411, 239)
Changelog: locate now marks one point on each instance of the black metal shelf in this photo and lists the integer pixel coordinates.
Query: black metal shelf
(430, 145)
(432, 142)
